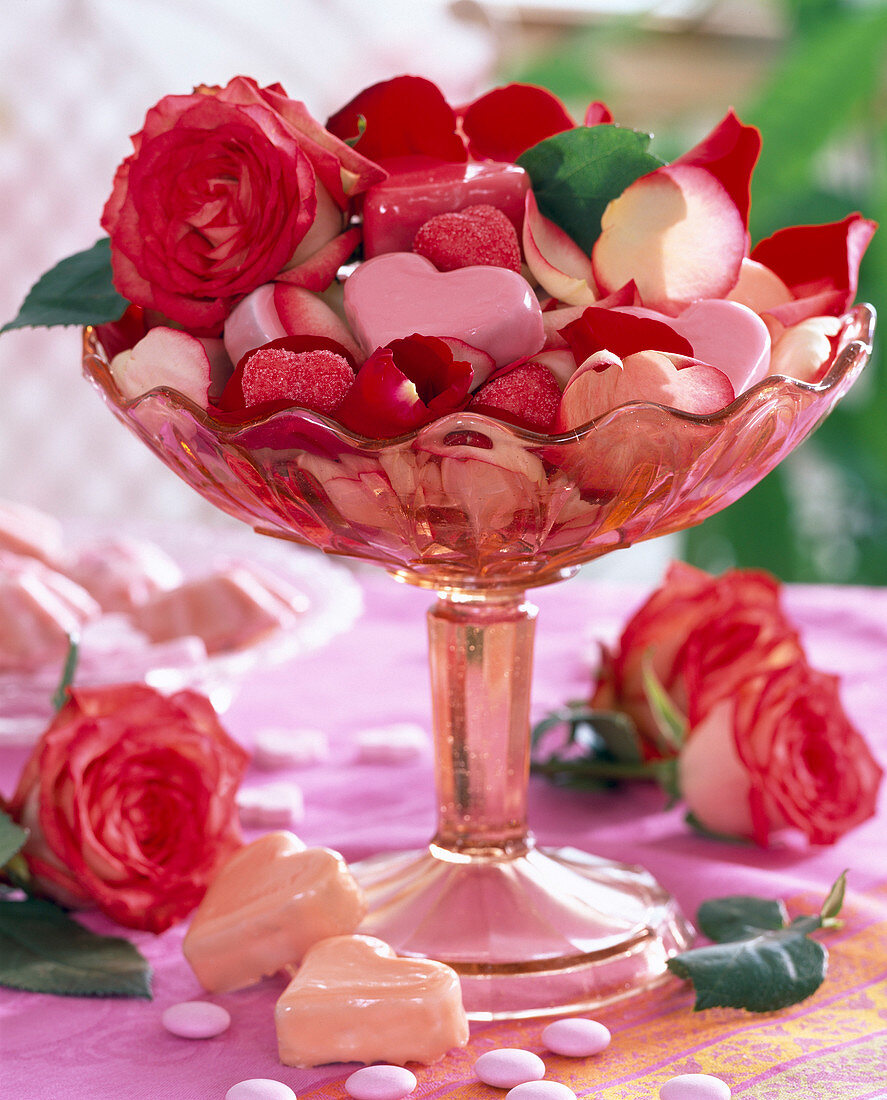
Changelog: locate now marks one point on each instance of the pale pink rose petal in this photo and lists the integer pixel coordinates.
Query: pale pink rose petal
(555, 261)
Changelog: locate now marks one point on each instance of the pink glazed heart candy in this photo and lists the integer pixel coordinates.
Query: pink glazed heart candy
(400, 293)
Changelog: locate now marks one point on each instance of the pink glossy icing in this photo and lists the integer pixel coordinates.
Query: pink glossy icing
(26, 530)
(395, 209)
(268, 905)
(399, 294)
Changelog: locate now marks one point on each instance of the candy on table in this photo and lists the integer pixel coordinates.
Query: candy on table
(266, 907)
(395, 209)
(576, 1037)
(28, 531)
(398, 743)
(228, 610)
(509, 1066)
(40, 610)
(196, 1019)
(273, 806)
(289, 748)
(354, 1000)
(260, 1088)
(121, 573)
(541, 1090)
(380, 1082)
(695, 1086)
(400, 293)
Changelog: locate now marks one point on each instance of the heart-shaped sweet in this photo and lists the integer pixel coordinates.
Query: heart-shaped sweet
(725, 335)
(267, 906)
(399, 294)
(354, 1000)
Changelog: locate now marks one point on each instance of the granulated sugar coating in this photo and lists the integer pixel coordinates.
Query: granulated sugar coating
(528, 396)
(318, 380)
(476, 236)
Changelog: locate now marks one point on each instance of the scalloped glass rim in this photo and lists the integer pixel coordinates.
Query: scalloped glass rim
(858, 332)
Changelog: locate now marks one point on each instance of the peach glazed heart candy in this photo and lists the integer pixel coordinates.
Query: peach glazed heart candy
(354, 1000)
(267, 906)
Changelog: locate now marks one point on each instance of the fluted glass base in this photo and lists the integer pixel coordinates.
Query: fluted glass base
(544, 932)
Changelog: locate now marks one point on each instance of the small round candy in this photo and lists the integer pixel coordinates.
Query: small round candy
(380, 1083)
(260, 1088)
(576, 1038)
(509, 1066)
(540, 1090)
(695, 1086)
(196, 1019)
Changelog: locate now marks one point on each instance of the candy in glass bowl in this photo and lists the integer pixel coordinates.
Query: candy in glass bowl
(478, 347)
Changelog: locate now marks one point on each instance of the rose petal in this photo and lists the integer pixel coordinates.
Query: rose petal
(505, 122)
(730, 153)
(404, 116)
(622, 334)
(556, 262)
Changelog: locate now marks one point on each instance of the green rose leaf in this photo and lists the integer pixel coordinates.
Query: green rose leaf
(42, 950)
(761, 974)
(77, 291)
(575, 174)
(12, 838)
(735, 918)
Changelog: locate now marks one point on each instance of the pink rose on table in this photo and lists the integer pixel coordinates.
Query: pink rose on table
(779, 752)
(227, 189)
(129, 798)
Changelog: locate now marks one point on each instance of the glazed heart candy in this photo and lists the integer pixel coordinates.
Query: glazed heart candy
(409, 260)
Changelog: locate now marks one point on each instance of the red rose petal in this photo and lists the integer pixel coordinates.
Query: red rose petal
(527, 396)
(730, 153)
(811, 259)
(476, 236)
(405, 116)
(505, 122)
(621, 333)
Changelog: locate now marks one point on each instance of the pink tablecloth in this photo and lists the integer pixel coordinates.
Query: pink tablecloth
(83, 1049)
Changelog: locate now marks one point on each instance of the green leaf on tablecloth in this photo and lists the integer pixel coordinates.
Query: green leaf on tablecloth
(42, 950)
(599, 748)
(740, 916)
(712, 834)
(12, 838)
(575, 174)
(79, 290)
(761, 974)
(759, 962)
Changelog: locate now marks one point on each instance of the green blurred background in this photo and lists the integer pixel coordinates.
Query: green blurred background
(812, 76)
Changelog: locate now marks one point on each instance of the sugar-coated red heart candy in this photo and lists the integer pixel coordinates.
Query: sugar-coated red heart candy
(527, 396)
(317, 380)
(476, 236)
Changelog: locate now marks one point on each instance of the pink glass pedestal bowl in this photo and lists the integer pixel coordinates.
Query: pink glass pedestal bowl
(479, 511)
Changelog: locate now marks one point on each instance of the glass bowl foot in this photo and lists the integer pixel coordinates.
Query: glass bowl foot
(544, 932)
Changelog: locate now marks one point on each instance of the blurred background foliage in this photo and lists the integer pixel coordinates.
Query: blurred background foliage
(812, 76)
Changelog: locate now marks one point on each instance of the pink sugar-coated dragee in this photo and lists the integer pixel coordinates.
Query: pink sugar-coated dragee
(541, 1090)
(380, 1083)
(576, 1037)
(509, 1066)
(196, 1020)
(274, 806)
(695, 1086)
(260, 1088)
